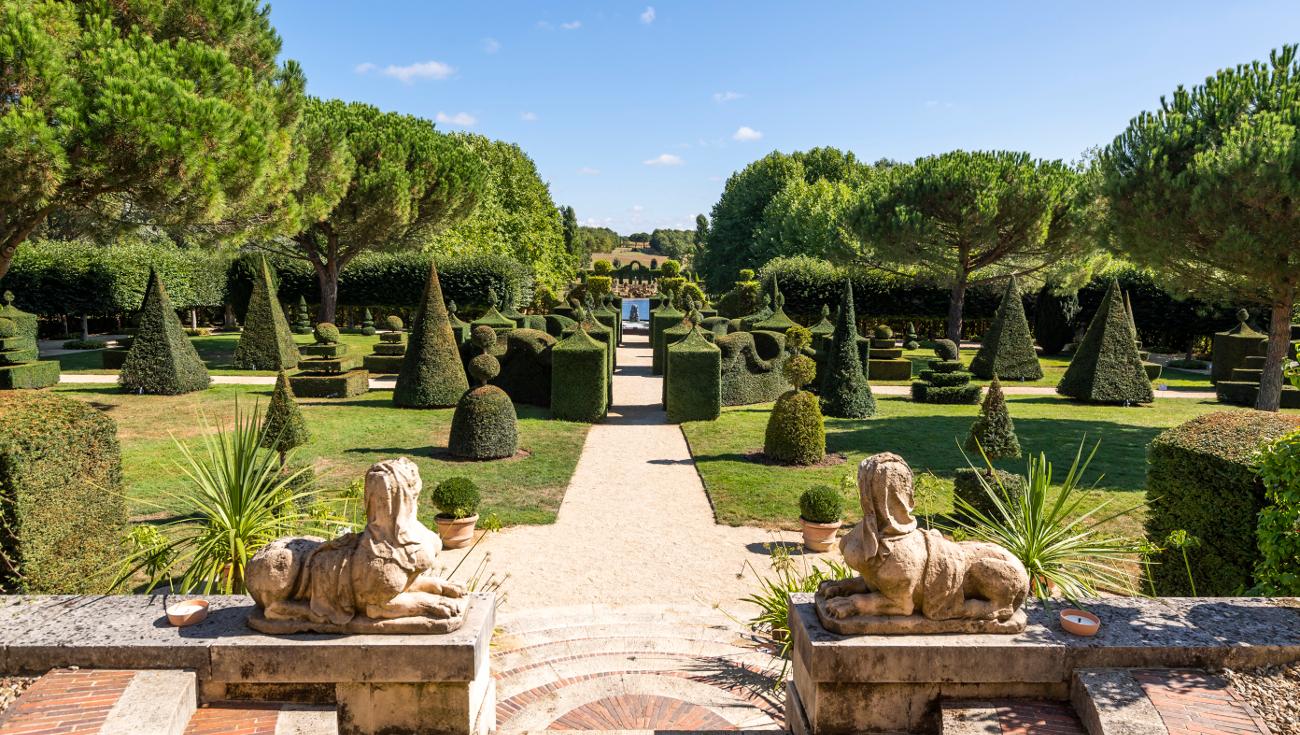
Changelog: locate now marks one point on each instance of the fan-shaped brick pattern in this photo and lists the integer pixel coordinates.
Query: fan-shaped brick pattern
(640, 712)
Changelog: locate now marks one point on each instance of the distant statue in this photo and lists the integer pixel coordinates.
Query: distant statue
(915, 580)
(634, 314)
(377, 581)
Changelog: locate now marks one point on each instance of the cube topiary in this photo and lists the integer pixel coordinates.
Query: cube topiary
(162, 360)
(1232, 348)
(821, 504)
(283, 427)
(845, 392)
(583, 394)
(661, 319)
(1106, 367)
(1201, 479)
(266, 342)
(796, 432)
(484, 425)
(1007, 350)
(993, 431)
(431, 375)
(694, 379)
(62, 506)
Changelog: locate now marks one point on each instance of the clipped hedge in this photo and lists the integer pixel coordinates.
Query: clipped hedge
(1278, 570)
(1201, 479)
(61, 497)
(751, 367)
(162, 360)
(661, 319)
(526, 369)
(583, 393)
(694, 379)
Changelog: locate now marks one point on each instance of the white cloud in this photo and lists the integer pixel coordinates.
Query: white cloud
(648, 16)
(746, 134)
(420, 70)
(491, 45)
(638, 208)
(664, 159)
(529, 117)
(572, 25)
(723, 97)
(460, 119)
(364, 68)
(589, 171)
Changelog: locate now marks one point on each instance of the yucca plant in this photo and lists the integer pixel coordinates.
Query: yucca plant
(1059, 542)
(237, 501)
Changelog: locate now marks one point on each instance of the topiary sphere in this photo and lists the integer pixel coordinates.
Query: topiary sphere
(394, 323)
(484, 337)
(8, 328)
(456, 497)
(602, 267)
(326, 333)
(797, 338)
(882, 331)
(821, 504)
(484, 367)
(799, 370)
(670, 269)
(946, 349)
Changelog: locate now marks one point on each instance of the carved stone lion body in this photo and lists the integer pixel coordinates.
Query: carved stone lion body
(916, 580)
(376, 581)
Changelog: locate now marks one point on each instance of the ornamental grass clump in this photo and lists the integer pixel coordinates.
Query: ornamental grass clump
(1053, 532)
(484, 425)
(796, 431)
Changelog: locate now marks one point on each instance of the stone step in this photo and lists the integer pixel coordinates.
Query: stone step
(509, 661)
(505, 641)
(585, 615)
(104, 701)
(262, 718)
(1159, 701)
(996, 716)
(752, 666)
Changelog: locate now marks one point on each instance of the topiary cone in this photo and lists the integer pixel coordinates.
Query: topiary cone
(266, 342)
(284, 427)
(993, 431)
(1106, 367)
(431, 375)
(162, 360)
(1008, 347)
(845, 391)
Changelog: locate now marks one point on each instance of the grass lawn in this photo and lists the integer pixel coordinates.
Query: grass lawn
(347, 437)
(1053, 369)
(745, 492)
(217, 351)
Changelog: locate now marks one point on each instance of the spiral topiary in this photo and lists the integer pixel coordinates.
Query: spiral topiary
(8, 328)
(394, 323)
(326, 334)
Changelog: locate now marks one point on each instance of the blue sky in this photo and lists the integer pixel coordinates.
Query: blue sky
(636, 113)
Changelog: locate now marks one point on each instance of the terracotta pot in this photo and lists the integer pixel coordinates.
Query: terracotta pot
(187, 612)
(456, 533)
(1080, 622)
(819, 536)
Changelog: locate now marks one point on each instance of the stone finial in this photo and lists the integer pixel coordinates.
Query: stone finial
(376, 581)
(913, 580)
(9, 298)
(1243, 316)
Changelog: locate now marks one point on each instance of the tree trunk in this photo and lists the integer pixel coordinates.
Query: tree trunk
(228, 320)
(327, 274)
(85, 327)
(1279, 339)
(194, 318)
(955, 305)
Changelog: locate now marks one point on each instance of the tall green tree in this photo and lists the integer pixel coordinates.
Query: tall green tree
(375, 181)
(969, 218)
(806, 219)
(701, 230)
(569, 227)
(171, 112)
(1205, 188)
(679, 244)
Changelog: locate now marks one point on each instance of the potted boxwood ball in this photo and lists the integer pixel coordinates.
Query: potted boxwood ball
(820, 510)
(457, 500)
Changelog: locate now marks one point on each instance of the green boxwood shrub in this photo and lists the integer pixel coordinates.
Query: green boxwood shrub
(694, 379)
(821, 504)
(993, 431)
(1007, 350)
(945, 381)
(796, 432)
(456, 497)
(1232, 348)
(966, 486)
(1278, 571)
(266, 342)
(61, 499)
(947, 350)
(526, 368)
(751, 367)
(583, 393)
(1201, 479)
(431, 375)
(845, 392)
(326, 334)
(661, 319)
(484, 425)
(162, 360)
(1106, 367)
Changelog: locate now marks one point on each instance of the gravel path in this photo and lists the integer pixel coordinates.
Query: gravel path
(1274, 692)
(635, 525)
(11, 687)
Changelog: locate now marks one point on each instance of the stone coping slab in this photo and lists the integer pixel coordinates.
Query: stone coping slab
(39, 633)
(1135, 632)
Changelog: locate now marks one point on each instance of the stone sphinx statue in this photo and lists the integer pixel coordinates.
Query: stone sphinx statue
(916, 581)
(376, 581)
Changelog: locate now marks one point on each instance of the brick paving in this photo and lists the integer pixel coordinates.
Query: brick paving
(1033, 717)
(235, 718)
(640, 712)
(1194, 702)
(66, 701)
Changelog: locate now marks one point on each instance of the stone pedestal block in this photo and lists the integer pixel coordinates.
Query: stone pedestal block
(893, 683)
